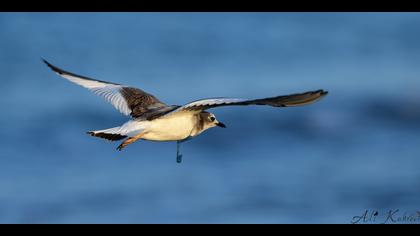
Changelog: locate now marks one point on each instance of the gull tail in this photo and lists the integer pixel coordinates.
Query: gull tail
(112, 134)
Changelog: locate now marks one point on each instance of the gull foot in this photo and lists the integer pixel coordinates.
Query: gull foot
(178, 158)
(120, 148)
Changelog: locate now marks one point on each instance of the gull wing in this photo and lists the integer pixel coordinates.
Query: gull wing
(291, 100)
(128, 100)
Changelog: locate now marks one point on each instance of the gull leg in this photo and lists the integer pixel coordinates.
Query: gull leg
(178, 156)
(129, 141)
(178, 147)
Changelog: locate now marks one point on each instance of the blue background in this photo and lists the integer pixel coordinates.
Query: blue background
(356, 149)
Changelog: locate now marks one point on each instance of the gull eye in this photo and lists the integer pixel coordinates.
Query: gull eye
(212, 118)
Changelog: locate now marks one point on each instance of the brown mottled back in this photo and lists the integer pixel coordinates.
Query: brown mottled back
(139, 101)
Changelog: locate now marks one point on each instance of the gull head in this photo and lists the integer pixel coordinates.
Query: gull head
(209, 120)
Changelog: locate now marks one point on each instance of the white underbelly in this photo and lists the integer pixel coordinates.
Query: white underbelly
(172, 128)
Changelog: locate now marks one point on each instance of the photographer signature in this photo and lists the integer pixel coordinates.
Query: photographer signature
(387, 217)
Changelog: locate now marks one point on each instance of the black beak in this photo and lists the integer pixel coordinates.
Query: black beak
(220, 124)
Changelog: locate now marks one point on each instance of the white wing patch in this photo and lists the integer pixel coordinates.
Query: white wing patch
(111, 92)
(208, 102)
(89, 84)
(213, 101)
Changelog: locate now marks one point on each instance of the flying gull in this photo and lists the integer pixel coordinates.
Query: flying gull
(153, 120)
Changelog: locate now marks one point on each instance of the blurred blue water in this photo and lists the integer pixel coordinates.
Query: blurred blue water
(357, 149)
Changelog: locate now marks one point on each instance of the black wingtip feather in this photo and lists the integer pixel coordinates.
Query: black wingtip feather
(320, 91)
(63, 72)
(46, 62)
(52, 67)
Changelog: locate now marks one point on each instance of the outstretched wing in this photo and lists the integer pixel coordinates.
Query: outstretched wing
(127, 100)
(298, 99)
